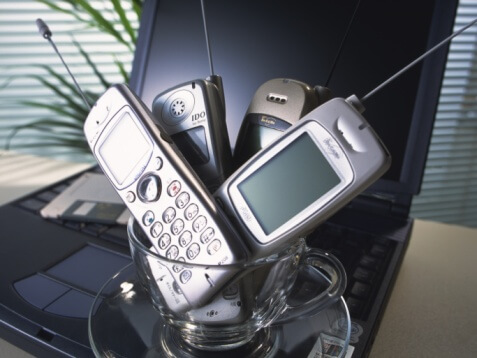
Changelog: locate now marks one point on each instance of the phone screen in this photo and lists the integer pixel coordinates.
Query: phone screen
(275, 195)
(124, 147)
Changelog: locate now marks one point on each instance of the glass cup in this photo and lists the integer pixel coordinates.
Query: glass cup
(262, 292)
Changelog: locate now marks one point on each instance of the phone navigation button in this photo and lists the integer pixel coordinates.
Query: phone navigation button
(149, 188)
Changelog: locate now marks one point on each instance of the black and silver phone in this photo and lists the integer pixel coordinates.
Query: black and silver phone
(162, 192)
(276, 105)
(193, 114)
(313, 169)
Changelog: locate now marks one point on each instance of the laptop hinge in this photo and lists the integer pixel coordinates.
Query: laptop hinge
(383, 203)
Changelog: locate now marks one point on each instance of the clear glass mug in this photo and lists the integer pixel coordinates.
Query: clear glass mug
(263, 293)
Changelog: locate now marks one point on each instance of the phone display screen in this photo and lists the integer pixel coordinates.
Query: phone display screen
(275, 195)
(124, 147)
(193, 145)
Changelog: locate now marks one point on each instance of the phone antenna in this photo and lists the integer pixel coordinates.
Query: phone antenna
(209, 51)
(343, 40)
(420, 58)
(46, 33)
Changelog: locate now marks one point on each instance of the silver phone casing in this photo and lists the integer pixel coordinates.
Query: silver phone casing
(276, 105)
(204, 106)
(348, 133)
(299, 97)
(116, 99)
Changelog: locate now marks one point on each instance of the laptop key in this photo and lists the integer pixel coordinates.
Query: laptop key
(47, 196)
(32, 204)
(117, 234)
(362, 274)
(370, 262)
(355, 306)
(95, 229)
(361, 290)
(378, 250)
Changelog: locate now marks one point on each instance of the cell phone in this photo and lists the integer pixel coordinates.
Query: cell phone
(276, 105)
(317, 166)
(193, 114)
(162, 192)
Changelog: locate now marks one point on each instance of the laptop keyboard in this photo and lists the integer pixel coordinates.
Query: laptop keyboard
(364, 256)
(113, 233)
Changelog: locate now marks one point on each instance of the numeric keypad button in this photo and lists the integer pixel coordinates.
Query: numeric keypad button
(148, 218)
(214, 247)
(177, 226)
(193, 251)
(191, 211)
(156, 229)
(207, 235)
(182, 200)
(169, 215)
(178, 268)
(199, 224)
(164, 241)
(172, 253)
(185, 238)
(174, 188)
(185, 276)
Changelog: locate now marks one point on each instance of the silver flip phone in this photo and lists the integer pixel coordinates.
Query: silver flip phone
(303, 177)
(162, 192)
(193, 114)
(275, 106)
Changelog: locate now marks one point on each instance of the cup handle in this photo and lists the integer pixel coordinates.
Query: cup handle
(320, 267)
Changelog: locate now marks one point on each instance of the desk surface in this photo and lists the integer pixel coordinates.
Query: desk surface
(431, 312)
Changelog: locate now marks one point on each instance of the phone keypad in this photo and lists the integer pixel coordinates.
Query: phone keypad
(185, 276)
(164, 241)
(148, 218)
(191, 211)
(207, 235)
(169, 215)
(182, 200)
(156, 229)
(199, 223)
(174, 188)
(179, 227)
(185, 238)
(214, 247)
(172, 252)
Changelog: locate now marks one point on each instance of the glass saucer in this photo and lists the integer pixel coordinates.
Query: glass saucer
(123, 323)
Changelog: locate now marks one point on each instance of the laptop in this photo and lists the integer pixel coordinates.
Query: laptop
(53, 269)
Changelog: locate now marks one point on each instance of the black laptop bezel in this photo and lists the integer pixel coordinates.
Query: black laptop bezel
(430, 81)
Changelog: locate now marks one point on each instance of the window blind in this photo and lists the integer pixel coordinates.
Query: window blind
(22, 49)
(449, 189)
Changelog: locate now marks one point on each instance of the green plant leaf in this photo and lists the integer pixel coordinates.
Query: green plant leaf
(98, 74)
(80, 107)
(53, 124)
(122, 70)
(137, 7)
(124, 20)
(102, 22)
(46, 126)
(79, 111)
(52, 5)
(56, 108)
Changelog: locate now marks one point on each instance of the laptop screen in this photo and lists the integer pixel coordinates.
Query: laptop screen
(255, 41)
